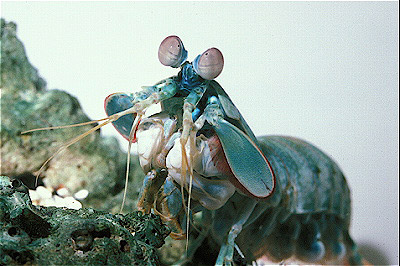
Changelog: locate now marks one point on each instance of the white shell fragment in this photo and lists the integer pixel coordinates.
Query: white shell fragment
(34, 195)
(72, 203)
(58, 201)
(43, 192)
(47, 202)
(43, 196)
(81, 194)
(63, 192)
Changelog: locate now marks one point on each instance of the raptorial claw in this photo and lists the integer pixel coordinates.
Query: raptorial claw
(187, 132)
(151, 185)
(187, 125)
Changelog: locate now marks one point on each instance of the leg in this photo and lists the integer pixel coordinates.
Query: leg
(225, 256)
(151, 184)
(196, 242)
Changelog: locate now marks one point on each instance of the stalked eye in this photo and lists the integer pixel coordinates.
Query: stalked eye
(209, 64)
(172, 52)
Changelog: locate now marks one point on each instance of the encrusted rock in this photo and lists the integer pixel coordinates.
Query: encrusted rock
(95, 163)
(59, 236)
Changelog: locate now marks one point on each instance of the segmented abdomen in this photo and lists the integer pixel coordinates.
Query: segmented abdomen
(313, 180)
(308, 216)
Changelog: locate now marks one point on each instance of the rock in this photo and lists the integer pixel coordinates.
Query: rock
(60, 236)
(19, 79)
(95, 163)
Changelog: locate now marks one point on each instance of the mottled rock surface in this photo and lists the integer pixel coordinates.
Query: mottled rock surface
(60, 236)
(95, 163)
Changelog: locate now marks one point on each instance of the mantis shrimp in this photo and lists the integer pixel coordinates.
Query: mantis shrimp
(277, 197)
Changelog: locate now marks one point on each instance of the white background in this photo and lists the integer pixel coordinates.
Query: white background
(326, 72)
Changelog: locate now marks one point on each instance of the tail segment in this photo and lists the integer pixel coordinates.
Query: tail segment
(354, 257)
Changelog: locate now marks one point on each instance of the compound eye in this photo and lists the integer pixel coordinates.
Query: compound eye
(209, 64)
(172, 52)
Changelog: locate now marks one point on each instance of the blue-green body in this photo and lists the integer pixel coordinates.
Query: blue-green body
(307, 216)
(275, 196)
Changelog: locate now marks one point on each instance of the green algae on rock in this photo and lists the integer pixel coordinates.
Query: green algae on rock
(54, 236)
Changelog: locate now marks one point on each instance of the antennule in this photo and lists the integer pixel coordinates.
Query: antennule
(69, 143)
(66, 126)
(134, 126)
